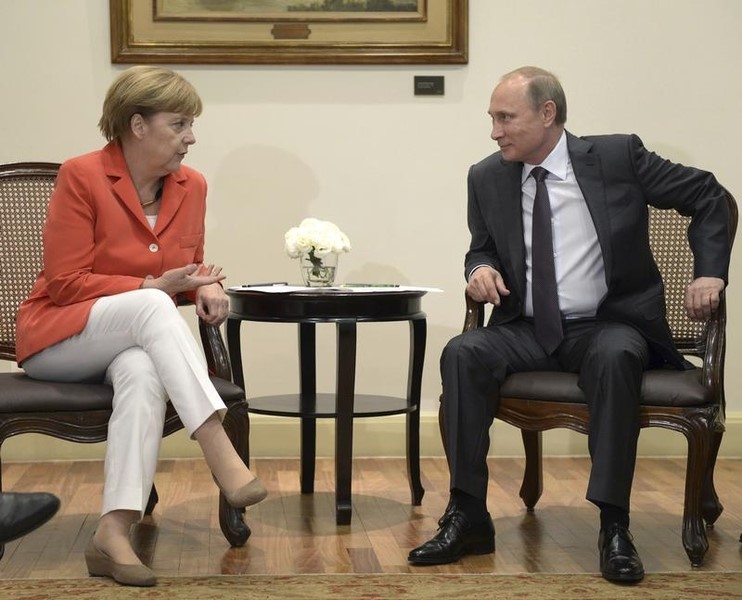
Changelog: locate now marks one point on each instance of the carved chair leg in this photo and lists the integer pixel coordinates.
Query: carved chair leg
(533, 476)
(152, 502)
(237, 425)
(694, 532)
(413, 457)
(711, 506)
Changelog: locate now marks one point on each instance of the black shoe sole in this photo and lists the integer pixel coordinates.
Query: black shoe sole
(474, 549)
(623, 578)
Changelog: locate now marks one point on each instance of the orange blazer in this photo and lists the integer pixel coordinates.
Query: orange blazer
(97, 242)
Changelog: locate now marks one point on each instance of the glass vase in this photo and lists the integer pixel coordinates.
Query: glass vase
(318, 271)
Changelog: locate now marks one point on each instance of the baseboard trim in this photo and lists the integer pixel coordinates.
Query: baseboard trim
(372, 437)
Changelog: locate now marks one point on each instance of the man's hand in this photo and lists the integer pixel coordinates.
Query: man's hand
(212, 304)
(486, 285)
(184, 279)
(702, 297)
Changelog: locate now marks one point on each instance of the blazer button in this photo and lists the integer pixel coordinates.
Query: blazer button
(153, 247)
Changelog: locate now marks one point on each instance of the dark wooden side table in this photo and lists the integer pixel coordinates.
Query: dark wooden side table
(346, 309)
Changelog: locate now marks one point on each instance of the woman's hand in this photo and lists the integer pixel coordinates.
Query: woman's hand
(185, 279)
(212, 304)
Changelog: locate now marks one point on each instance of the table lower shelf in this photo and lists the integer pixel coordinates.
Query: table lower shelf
(290, 405)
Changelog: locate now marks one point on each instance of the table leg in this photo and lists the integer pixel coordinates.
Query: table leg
(344, 398)
(418, 333)
(308, 375)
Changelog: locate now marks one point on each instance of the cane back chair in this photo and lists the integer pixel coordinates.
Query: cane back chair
(79, 412)
(691, 402)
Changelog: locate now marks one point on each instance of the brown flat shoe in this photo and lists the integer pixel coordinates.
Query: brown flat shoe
(247, 495)
(102, 565)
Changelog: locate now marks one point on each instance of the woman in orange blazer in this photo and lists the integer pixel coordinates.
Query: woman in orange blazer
(124, 234)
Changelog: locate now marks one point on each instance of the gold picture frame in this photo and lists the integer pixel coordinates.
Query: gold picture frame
(289, 31)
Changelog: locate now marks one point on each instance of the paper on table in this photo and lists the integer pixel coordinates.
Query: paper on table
(388, 288)
(269, 289)
(287, 289)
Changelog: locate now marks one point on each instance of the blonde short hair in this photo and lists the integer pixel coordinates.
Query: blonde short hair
(145, 90)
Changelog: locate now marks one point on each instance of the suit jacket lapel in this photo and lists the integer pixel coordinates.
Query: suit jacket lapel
(588, 172)
(173, 191)
(115, 168)
(509, 190)
(173, 194)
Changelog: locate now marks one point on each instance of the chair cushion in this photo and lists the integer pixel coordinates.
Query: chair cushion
(660, 387)
(19, 393)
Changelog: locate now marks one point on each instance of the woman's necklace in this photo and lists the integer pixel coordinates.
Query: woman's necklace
(158, 195)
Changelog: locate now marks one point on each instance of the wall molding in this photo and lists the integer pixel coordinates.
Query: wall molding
(373, 437)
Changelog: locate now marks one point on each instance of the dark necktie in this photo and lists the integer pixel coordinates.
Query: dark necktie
(547, 319)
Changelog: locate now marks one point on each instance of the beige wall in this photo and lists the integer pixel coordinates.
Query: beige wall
(353, 145)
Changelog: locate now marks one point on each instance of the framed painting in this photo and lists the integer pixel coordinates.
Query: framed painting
(289, 31)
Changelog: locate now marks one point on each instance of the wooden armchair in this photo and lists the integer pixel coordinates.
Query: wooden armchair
(79, 412)
(691, 402)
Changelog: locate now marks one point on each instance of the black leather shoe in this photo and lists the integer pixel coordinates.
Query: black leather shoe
(21, 513)
(619, 560)
(450, 509)
(456, 538)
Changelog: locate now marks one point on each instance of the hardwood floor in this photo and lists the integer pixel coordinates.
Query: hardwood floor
(292, 533)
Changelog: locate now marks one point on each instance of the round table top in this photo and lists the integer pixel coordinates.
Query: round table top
(323, 304)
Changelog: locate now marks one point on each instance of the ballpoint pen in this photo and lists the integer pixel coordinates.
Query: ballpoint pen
(269, 283)
(390, 285)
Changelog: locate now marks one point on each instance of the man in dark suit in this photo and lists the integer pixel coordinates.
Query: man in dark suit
(560, 247)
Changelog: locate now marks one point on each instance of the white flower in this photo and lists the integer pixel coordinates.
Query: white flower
(315, 236)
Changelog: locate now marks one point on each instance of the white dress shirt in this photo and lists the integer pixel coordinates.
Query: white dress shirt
(578, 260)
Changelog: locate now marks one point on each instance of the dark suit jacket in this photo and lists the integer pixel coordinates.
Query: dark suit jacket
(618, 178)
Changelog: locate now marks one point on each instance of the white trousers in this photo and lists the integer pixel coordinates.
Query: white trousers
(139, 344)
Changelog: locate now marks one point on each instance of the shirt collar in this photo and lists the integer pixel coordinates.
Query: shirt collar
(555, 163)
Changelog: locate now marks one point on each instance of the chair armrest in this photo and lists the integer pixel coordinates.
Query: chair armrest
(215, 351)
(474, 314)
(713, 358)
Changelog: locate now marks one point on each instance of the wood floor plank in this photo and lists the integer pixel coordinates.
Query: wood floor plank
(296, 533)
